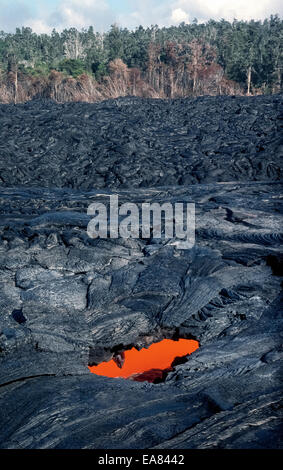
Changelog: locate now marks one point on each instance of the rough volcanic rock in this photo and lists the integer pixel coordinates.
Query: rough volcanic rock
(134, 142)
(152, 376)
(68, 301)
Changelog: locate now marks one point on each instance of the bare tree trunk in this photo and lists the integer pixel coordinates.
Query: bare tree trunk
(13, 76)
(16, 86)
(161, 86)
(171, 84)
(76, 46)
(249, 77)
(194, 81)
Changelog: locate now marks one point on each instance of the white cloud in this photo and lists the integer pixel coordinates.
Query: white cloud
(69, 13)
(146, 13)
(99, 13)
(168, 12)
(227, 9)
(178, 16)
(81, 14)
(39, 26)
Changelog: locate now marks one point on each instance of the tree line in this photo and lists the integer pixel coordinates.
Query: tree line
(217, 57)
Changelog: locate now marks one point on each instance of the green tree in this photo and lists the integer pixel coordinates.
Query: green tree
(72, 67)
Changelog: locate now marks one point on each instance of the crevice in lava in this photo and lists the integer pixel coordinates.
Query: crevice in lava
(23, 379)
(150, 358)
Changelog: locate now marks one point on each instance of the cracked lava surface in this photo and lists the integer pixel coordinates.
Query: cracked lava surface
(158, 356)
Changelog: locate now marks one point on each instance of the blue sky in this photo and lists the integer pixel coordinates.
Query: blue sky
(43, 15)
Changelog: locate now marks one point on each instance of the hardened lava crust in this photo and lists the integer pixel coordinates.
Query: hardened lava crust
(68, 301)
(140, 143)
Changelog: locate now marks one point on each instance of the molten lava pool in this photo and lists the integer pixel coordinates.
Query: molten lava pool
(159, 356)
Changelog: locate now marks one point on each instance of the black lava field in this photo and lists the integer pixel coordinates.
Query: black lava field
(68, 302)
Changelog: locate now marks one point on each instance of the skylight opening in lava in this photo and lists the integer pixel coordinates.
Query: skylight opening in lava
(158, 356)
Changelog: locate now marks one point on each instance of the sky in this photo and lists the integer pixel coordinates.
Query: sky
(44, 15)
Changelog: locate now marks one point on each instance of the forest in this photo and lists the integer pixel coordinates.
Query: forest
(213, 58)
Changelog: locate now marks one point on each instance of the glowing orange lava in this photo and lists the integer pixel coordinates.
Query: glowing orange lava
(157, 356)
